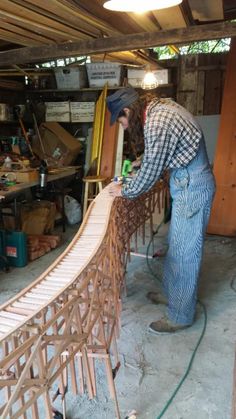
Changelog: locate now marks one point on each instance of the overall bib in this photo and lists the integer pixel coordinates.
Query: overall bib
(192, 189)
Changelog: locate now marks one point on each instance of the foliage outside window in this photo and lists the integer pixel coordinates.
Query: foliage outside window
(202, 47)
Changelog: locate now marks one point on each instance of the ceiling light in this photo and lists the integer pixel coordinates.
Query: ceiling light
(139, 6)
(149, 81)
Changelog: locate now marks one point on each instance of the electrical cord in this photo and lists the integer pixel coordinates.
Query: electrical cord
(147, 252)
(170, 400)
(232, 286)
(189, 365)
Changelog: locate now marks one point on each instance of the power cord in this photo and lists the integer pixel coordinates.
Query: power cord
(232, 286)
(168, 403)
(147, 252)
(189, 365)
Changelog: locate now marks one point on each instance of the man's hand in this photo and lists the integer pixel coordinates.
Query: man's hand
(114, 189)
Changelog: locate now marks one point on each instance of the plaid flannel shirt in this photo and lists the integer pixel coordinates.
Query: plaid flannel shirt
(171, 137)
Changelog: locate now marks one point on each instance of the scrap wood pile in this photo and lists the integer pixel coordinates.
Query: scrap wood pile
(39, 244)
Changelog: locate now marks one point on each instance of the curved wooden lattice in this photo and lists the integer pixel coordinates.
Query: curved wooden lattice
(69, 316)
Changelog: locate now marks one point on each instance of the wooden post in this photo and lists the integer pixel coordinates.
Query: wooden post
(223, 219)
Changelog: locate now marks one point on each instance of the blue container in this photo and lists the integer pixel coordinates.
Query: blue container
(16, 248)
(3, 259)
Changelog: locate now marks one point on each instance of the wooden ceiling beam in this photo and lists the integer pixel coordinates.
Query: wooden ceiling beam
(16, 29)
(121, 43)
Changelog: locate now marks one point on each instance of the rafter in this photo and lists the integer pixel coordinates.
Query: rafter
(122, 43)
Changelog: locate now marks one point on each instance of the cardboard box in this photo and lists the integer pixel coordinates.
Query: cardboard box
(58, 111)
(4, 112)
(71, 77)
(58, 143)
(101, 73)
(38, 217)
(82, 111)
(135, 76)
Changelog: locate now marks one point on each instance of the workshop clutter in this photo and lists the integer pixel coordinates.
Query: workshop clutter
(95, 74)
(38, 217)
(5, 112)
(40, 244)
(72, 210)
(71, 77)
(101, 73)
(14, 247)
(69, 111)
(58, 144)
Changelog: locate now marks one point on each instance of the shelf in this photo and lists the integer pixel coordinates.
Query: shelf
(90, 89)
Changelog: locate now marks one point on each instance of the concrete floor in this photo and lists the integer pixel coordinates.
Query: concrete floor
(151, 366)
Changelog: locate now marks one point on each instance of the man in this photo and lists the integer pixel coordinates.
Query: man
(172, 141)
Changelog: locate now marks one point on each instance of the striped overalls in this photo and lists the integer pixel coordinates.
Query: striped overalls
(192, 190)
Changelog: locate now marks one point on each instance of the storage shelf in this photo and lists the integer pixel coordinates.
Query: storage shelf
(85, 89)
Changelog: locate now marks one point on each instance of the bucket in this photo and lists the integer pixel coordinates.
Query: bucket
(16, 248)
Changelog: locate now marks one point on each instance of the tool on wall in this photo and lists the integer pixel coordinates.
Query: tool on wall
(25, 134)
(31, 109)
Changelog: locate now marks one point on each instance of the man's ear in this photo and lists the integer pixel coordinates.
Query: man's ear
(127, 111)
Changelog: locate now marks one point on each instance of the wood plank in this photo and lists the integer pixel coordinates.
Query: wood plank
(207, 10)
(187, 85)
(121, 43)
(17, 38)
(200, 92)
(109, 146)
(223, 220)
(213, 80)
(73, 14)
(144, 22)
(173, 19)
(38, 39)
(24, 15)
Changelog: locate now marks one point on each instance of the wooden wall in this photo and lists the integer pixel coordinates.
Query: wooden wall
(198, 81)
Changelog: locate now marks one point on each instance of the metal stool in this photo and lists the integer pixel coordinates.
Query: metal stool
(95, 181)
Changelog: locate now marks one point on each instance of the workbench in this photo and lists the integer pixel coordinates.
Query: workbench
(54, 174)
(14, 191)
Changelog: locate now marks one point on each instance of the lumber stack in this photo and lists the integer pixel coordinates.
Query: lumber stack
(39, 244)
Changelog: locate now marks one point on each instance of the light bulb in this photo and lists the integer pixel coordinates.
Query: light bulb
(149, 81)
(139, 6)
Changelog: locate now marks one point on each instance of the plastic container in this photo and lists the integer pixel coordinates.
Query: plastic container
(71, 77)
(101, 73)
(16, 248)
(3, 259)
(7, 163)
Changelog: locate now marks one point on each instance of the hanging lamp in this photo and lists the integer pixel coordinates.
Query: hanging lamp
(139, 6)
(149, 80)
